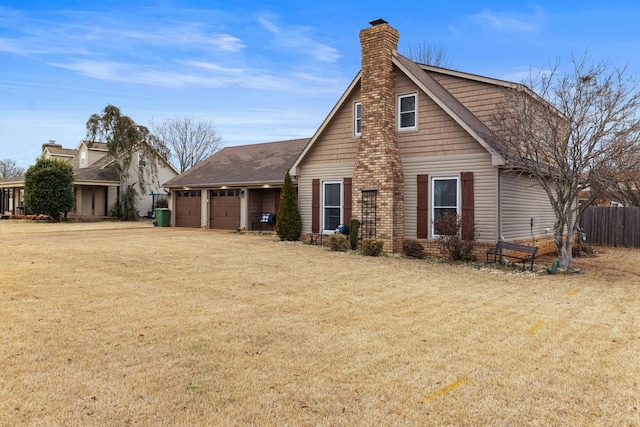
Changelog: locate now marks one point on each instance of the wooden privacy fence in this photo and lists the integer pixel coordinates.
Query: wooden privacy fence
(607, 226)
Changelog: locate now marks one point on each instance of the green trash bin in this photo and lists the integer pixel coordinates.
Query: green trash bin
(162, 217)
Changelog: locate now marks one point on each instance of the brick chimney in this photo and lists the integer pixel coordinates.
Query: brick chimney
(378, 187)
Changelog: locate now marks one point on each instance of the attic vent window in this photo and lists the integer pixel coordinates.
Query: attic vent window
(142, 160)
(83, 159)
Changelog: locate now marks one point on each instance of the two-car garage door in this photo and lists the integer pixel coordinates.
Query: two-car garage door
(224, 209)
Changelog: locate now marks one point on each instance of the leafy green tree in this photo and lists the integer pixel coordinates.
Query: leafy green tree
(288, 222)
(48, 188)
(133, 159)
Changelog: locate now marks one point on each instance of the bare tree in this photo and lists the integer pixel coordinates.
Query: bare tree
(9, 168)
(626, 190)
(189, 141)
(429, 54)
(575, 133)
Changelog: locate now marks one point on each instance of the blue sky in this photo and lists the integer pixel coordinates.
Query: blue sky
(261, 71)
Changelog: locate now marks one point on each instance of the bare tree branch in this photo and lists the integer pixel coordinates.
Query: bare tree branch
(189, 141)
(9, 168)
(429, 54)
(575, 133)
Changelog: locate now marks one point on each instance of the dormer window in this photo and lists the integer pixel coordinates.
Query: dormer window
(407, 109)
(83, 158)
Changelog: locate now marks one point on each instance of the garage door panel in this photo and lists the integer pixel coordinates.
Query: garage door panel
(188, 208)
(224, 209)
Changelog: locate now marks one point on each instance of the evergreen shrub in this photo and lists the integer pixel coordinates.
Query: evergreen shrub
(372, 247)
(338, 242)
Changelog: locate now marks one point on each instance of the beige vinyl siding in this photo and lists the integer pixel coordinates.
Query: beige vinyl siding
(522, 199)
(244, 209)
(87, 195)
(484, 185)
(479, 97)
(324, 172)
(100, 201)
(112, 197)
(338, 142)
(437, 133)
(204, 208)
(94, 154)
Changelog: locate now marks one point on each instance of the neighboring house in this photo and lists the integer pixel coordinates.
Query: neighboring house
(235, 188)
(404, 143)
(95, 186)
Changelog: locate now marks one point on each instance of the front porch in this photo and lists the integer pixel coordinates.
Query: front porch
(262, 208)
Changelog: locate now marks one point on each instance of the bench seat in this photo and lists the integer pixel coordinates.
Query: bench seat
(520, 253)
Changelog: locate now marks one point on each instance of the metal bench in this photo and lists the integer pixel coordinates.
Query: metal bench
(315, 238)
(520, 253)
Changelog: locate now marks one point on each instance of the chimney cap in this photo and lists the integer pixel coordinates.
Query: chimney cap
(378, 21)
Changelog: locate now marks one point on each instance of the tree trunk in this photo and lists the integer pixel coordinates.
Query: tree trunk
(564, 255)
(563, 244)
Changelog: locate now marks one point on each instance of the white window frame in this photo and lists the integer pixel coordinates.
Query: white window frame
(433, 199)
(325, 206)
(357, 119)
(83, 158)
(414, 111)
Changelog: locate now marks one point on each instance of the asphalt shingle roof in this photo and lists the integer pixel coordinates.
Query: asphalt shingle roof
(245, 164)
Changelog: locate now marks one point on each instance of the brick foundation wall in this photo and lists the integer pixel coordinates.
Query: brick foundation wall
(377, 165)
(431, 247)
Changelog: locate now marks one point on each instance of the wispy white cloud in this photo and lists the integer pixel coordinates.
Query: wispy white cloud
(199, 74)
(174, 54)
(267, 24)
(180, 60)
(86, 34)
(298, 39)
(510, 21)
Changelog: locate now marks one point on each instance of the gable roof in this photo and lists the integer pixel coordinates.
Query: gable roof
(94, 145)
(56, 150)
(97, 171)
(452, 106)
(419, 74)
(256, 164)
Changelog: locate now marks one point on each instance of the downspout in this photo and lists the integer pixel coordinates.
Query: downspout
(499, 199)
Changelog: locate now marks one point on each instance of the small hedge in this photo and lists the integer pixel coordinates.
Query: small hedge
(372, 247)
(413, 249)
(354, 227)
(338, 242)
(39, 217)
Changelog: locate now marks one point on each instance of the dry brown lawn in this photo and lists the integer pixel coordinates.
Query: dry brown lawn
(113, 324)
